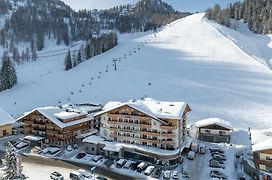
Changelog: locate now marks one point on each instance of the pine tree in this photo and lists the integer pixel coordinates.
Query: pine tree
(79, 58)
(7, 74)
(12, 167)
(68, 61)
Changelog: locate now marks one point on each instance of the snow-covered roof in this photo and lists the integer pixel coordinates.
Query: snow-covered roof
(5, 118)
(33, 138)
(211, 121)
(55, 113)
(261, 139)
(151, 107)
(93, 139)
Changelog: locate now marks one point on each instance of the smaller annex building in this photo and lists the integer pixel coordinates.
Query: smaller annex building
(214, 130)
(262, 152)
(6, 122)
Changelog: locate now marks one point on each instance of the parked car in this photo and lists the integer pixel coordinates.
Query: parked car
(85, 173)
(80, 155)
(217, 160)
(97, 158)
(218, 153)
(216, 165)
(167, 175)
(75, 175)
(194, 146)
(101, 178)
(69, 148)
(191, 155)
(134, 166)
(218, 174)
(202, 149)
(21, 145)
(149, 170)
(75, 146)
(141, 167)
(128, 164)
(175, 175)
(108, 162)
(216, 149)
(157, 173)
(218, 156)
(56, 176)
(120, 163)
(185, 170)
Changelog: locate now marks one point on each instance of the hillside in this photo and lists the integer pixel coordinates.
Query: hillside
(188, 60)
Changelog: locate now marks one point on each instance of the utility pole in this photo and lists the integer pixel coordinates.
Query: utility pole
(115, 65)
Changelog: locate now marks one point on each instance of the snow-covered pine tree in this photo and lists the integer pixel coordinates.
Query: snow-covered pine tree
(12, 170)
(68, 61)
(8, 77)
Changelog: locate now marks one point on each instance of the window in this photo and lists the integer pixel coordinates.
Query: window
(154, 123)
(92, 149)
(207, 131)
(269, 158)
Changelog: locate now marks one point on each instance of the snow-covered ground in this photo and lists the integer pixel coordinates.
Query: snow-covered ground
(189, 60)
(257, 46)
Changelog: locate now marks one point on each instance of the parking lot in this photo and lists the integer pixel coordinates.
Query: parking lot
(197, 168)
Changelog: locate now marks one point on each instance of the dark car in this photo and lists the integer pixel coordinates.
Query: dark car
(218, 174)
(218, 153)
(101, 178)
(80, 155)
(219, 157)
(134, 166)
(157, 173)
(216, 149)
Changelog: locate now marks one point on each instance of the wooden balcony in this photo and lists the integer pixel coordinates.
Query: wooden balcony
(129, 116)
(167, 127)
(149, 133)
(150, 140)
(168, 135)
(149, 126)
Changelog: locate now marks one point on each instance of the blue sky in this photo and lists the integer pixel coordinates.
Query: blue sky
(182, 5)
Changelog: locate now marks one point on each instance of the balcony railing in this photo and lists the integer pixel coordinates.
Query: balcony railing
(168, 127)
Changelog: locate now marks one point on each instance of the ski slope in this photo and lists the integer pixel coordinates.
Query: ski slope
(189, 60)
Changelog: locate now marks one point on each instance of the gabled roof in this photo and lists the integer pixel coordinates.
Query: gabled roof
(53, 113)
(261, 139)
(5, 118)
(153, 108)
(214, 121)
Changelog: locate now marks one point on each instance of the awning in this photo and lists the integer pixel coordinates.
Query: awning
(33, 138)
(84, 135)
(112, 148)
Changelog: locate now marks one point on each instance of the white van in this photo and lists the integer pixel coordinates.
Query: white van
(120, 163)
(149, 170)
(140, 167)
(191, 155)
